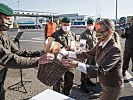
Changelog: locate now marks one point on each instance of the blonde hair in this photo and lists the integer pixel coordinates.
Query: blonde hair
(116, 37)
(109, 24)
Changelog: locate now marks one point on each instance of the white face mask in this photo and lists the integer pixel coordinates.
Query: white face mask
(91, 28)
(66, 28)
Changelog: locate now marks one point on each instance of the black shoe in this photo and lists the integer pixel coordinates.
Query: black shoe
(124, 73)
(89, 82)
(66, 94)
(84, 89)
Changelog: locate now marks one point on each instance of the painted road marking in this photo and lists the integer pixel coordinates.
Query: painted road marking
(38, 38)
(129, 78)
(29, 41)
(15, 36)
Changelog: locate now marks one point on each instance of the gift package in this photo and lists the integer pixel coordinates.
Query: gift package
(50, 73)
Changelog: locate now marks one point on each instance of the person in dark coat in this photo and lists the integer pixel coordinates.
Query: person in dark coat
(128, 52)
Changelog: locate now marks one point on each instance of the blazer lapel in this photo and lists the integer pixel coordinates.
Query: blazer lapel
(98, 52)
(101, 52)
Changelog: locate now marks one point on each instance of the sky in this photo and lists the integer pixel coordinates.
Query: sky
(103, 8)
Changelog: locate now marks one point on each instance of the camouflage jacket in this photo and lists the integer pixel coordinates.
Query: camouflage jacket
(64, 38)
(9, 57)
(90, 37)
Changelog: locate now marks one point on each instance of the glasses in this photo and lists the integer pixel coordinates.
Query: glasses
(101, 31)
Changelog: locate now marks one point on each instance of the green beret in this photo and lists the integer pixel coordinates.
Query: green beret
(4, 9)
(65, 20)
(90, 21)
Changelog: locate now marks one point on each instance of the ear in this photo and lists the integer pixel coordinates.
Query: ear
(1, 20)
(110, 31)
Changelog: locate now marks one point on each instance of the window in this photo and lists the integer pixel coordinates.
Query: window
(79, 23)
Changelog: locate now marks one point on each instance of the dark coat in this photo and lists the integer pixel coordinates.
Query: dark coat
(129, 38)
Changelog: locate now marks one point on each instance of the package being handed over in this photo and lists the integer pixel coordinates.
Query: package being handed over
(50, 73)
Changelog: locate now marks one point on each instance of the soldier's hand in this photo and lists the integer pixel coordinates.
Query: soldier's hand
(46, 58)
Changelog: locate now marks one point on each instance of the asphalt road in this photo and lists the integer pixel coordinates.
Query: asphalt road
(33, 40)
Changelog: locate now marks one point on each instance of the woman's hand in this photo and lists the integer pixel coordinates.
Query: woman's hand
(64, 52)
(70, 63)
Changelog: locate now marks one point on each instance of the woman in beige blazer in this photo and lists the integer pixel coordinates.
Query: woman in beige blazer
(108, 56)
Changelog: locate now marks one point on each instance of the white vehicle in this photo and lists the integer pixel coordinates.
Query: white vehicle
(78, 26)
(31, 23)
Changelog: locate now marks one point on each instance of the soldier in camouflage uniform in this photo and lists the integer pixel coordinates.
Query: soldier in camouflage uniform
(90, 35)
(10, 56)
(65, 36)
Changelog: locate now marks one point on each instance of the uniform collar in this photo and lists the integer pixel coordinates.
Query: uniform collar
(64, 33)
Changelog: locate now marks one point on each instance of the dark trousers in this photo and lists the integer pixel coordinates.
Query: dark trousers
(2, 93)
(128, 53)
(65, 83)
(2, 96)
(84, 77)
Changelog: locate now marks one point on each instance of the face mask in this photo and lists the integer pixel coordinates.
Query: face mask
(102, 35)
(91, 28)
(5, 24)
(66, 28)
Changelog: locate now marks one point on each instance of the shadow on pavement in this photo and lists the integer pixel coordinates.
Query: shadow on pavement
(78, 94)
(128, 80)
(126, 98)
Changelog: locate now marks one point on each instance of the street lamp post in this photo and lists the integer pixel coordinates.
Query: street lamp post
(116, 11)
(18, 4)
